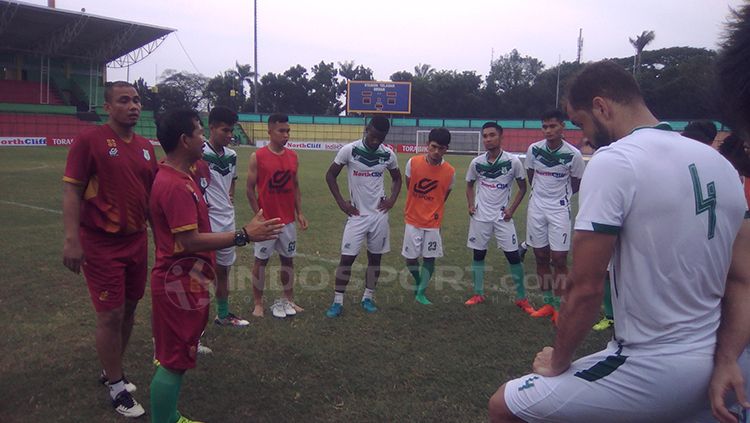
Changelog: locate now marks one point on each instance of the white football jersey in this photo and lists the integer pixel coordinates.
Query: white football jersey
(494, 184)
(551, 188)
(366, 170)
(223, 169)
(676, 206)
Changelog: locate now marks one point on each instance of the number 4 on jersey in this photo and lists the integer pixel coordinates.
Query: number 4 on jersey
(707, 204)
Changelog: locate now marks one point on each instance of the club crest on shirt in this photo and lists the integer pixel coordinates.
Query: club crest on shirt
(146, 154)
(204, 183)
(113, 152)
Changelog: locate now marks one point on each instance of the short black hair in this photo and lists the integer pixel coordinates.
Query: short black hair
(222, 114)
(553, 114)
(278, 118)
(493, 125)
(604, 79)
(701, 130)
(441, 136)
(109, 87)
(380, 123)
(733, 149)
(173, 124)
(732, 71)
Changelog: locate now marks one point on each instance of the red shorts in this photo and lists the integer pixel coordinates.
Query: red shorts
(115, 267)
(177, 321)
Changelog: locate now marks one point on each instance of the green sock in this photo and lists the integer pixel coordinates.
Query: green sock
(608, 313)
(222, 306)
(516, 271)
(428, 266)
(477, 274)
(414, 270)
(165, 389)
(548, 298)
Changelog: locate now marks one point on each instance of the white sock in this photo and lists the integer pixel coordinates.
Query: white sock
(116, 388)
(338, 297)
(368, 294)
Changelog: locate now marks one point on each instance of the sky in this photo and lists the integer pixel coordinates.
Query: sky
(393, 35)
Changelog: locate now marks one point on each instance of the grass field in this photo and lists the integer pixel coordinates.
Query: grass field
(406, 363)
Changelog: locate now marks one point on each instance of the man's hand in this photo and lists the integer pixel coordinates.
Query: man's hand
(385, 204)
(472, 210)
(260, 229)
(302, 221)
(73, 255)
(544, 364)
(727, 376)
(348, 208)
(508, 214)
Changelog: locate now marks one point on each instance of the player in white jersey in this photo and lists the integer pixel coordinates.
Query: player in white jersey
(671, 247)
(367, 208)
(554, 169)
(222, 163)
(489, 184)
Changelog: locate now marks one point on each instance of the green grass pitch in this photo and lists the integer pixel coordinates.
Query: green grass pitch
(405, 363)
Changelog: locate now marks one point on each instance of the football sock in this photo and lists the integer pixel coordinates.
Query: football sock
(547, 297)
(608, 313)
(222, 305)
(428, 266)
(165, 389)
(477, 274)
(516, 271)
(368, 294)
(414, 270)
(338, 297)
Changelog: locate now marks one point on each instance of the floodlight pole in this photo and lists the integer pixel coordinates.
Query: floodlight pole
(255, 45)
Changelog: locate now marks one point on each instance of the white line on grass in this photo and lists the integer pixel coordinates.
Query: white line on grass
(29, 206)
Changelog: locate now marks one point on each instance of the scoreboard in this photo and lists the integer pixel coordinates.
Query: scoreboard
(378, 97)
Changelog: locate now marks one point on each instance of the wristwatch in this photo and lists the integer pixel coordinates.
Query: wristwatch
(241, 238)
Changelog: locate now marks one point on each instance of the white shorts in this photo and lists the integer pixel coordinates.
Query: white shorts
(374, 227)
(422, 242)
(481, 232)
(224, 256)
(605, 386)
(285, 244)
(548, 227)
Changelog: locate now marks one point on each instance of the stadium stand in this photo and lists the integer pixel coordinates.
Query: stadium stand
(28, 92)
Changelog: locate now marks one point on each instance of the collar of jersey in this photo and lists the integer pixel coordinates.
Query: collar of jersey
(487, 157)
(664, 126)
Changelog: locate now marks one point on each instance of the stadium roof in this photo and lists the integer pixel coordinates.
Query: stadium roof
(34, 29)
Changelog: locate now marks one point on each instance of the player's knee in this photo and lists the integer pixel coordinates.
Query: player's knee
(347, 261)
(541, 255)
(111, 319)
(259, 262)
(513, 257)
(560, 261)
(497, 410)
(479, 255)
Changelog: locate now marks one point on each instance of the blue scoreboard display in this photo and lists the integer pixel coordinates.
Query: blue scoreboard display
(378, 97)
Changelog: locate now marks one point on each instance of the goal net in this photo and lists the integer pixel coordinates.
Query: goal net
(462, 142)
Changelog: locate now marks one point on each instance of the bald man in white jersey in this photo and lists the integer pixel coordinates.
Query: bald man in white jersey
(671, 250)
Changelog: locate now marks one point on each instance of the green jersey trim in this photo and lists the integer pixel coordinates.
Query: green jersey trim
(605, 229)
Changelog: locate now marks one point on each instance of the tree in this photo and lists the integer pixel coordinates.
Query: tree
(324, 89)
(639, 43)
(349, 72)
(402, 76)
(423, 71)
(146, 93)
(225, 90)
(182, 89)
(512, 71)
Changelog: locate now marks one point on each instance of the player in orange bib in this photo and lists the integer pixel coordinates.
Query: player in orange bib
(429, 180)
